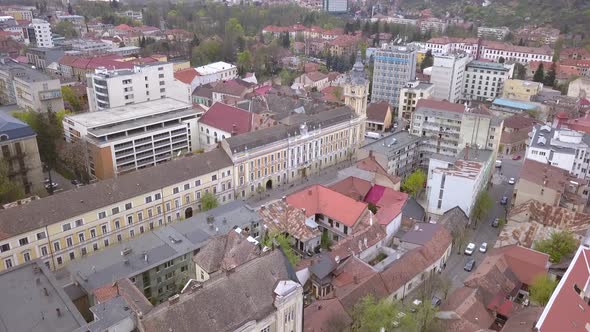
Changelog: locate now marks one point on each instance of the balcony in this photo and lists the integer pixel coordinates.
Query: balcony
(50, 94)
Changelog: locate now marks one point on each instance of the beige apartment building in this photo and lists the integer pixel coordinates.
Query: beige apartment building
(72, 224)
(301, 145)
(520, 89)
(409, 96)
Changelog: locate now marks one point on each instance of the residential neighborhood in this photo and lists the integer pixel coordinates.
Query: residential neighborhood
(294, 166)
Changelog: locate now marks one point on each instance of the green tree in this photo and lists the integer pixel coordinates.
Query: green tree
(551, 75)
(71, 99)
(284, 241)
(501, 60)
(10, 191)
(372, 315)
(483, 204)
(325, 241)
(207, 52)
(558, 245)
(541, 289)
(539, 74)
(287, 77)
(209, 201)
(414, 183)
(519, 71)
(244, 61)
(428, 60)
(65, 29)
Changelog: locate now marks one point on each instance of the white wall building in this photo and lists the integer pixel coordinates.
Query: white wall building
(335, 6)
(563, 148)
(40, 33)
(409, 96)
(134, 136)
(484, 81)
(493, 33)
(115, 88)
(448, 73)
(457, 182)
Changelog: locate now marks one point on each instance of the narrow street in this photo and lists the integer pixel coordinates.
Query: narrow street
(485, 232)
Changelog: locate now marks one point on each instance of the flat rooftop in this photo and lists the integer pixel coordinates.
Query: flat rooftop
(214, 67)
(160, 245)
(487, 65)
(128, 112)
(24, 73)
(516, 104)
(392, 143)
(31, 298)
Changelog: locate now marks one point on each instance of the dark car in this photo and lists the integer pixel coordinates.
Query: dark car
(75, 182)
(504, 200)
(436, 301)
(469, 265)
(496, 222)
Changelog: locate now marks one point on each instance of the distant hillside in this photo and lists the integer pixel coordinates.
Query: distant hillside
(566, 15)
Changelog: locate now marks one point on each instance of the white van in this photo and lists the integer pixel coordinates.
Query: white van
(373, 135)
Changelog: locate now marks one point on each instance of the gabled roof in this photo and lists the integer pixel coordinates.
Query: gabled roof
(440, 105)
(282, 218)
(11, 128)
(318, 199)
(352, 187)
(316, 76)
(321, 316)
(232, 120)
(465, 311)
(567, 310)
(186, 75)
(493, 276)
(226, 252)
(527, 264)
(390, 202)
(355, 279)
(544, 175)
(377, 112)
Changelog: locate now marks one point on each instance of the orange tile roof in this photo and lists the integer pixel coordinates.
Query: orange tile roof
(186, 75)
(318, 199)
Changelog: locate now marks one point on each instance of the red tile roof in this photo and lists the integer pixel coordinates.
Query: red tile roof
(389, 201)
(186, 75)
(329, 94)
(519, 122)
(356, 279)
(316, 76)
(318, 199)
(123, 27)
(321, 315)
(469, 313)
(443, 105)
(567, 311)
(353, 187)
(378, 111)
(230, 119)
(544, 175)
(369, 164)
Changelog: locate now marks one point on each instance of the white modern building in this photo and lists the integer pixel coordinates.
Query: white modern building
(116, 88)
(134, 136)
(40, 33)
(394, 66)
(484, 81)
(213, 72)
(335, 6)
(448, 73)
(457, 181)
(563, 148)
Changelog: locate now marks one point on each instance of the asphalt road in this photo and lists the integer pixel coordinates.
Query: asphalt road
(485, 232)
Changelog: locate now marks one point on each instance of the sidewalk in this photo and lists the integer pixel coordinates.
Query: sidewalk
(327, 176)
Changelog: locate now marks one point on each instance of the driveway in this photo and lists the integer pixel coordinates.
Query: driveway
(484, 231)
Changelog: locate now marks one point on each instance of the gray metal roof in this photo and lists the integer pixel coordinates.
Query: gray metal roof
(72, 203)
(14, 128)
(412, 209)
(30, 299)
(421, 234)
(543, 139)
(391, 144)
(160, 245)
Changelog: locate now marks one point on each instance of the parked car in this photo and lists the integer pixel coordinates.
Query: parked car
(504, 200)
(436, 301)
(483, 247)
(51, 185)
(511, 181)
(469, 265)
(517, 157)
(470, 248)
(498, 163)
(415, 304)
(75, 182)
(496, 222)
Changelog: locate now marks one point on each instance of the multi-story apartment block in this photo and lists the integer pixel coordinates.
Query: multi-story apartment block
(114, 88)
(29, 88)
(563, 148)
(72, 224)
(41, 57)
(448, 128)
(18, 146)
(448, 74)
(335, 6)
(433, 24)
(457, 181)
(493, 33)
(159, 261)
(394, 66)
(521, 90)
(484, 81)
(400, 153)
(299, 146)
(19, 14)
(39, 32)
(409, 96)
(135, 136)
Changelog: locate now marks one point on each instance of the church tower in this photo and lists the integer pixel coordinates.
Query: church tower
(356, 91)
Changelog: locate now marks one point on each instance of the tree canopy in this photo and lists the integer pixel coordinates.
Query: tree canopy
(414, 183)
(541, 289)
(539, 75)
(10, 191)
(372, 315)
(208, 201)
(483, 204)
(558, 245)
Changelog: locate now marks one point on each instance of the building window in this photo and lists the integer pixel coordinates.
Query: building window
(44, 251)
(79, 222)
(24, 241)
(148, 199)
(117, 224)
(175, 190)
(129, 219)
(72, 256)
(59, 260)
(83, 251)
(27, 256)
(157, 196)
(95, 246)
(41, 235)
(214, 178)
(197, 183)
(69, 242)
(102, 215)
(93, 233)
(119, 237)
(81, 237)
(128, 206)
(106, 242)
(115, 210)
(66, 227)
(187, 186)
(56, 246)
